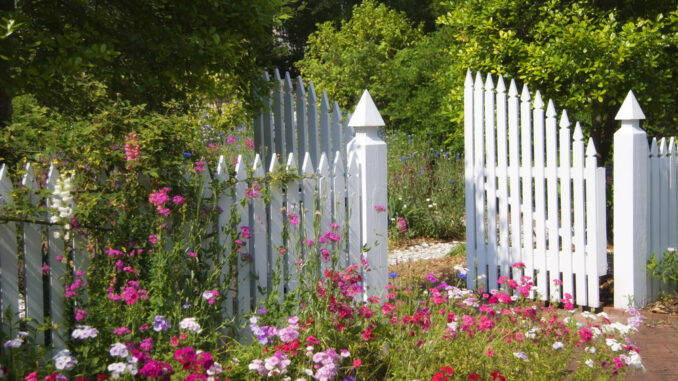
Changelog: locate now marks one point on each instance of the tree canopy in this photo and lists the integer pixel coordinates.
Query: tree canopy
(149, 52)
(585, 55)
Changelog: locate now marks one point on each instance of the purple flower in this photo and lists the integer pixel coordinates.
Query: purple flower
(160, 323)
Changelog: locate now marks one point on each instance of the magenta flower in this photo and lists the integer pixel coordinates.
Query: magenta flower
(80, 314)
(379, 208)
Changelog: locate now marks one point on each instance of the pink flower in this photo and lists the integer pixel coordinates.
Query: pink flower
(402, 224)
(121, 331)
(153, 239)
(518, 265)
(80, 314)
(192, 254)
(558, 282)
(199, 166)
(249, 143)
(379, 208)
(178, 200)
(282, 250)
(44, 269)
(293, 218)
(357, 363)
(230, 140)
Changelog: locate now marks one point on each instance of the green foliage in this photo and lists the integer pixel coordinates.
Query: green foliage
(583, 56)
(665, 268)
(148, 52)
(355, 57)
(413, 85)
(426, 188)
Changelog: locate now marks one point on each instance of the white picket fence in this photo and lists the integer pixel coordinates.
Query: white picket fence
(340, 191)
(533, 194)
(292, 122)
(645, 206)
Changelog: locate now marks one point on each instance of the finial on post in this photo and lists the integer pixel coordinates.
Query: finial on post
(630, 112)
(366, 113)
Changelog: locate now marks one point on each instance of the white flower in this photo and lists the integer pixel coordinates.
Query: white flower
(453, 325)
(588, 315)
(214, 369)
(589, 363)
(557, 345)
(64, 361)
(14, 343)
(84, 332)
(590, 349)
(520, 355)
(604, 315)
(118, 350)
(633, 359)
(532, 334)
(614, 345)
(190, 324)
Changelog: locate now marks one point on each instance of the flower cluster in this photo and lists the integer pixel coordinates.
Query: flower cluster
(132, 149)
(62, 202)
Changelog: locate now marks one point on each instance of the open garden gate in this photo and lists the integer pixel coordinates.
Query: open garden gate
(533, 195)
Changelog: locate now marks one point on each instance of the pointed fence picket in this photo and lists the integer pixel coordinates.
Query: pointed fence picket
(292, 121)
(525, 205)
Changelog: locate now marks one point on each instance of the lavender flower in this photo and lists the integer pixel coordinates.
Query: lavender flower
(160, 323)
(84, 332)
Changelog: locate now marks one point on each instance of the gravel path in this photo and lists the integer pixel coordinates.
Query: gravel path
(421, 251)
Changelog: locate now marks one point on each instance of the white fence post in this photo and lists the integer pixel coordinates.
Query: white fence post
(371, 153)
(630, 202)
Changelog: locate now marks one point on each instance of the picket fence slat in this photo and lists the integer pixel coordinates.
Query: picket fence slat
(553, 251)
(259, 231)
(278, 130)
(32, 238)
(526, 153)
(324, 202)
(673, 194)
(302, 132)
(290, 143)
(655, 222)
(502, 179)
(243, 267)
(469, 181)
(337, 132)
(579, 257)
(224, 202)
(312, 110)
(479, 176)
(9, 265)
(324, 127)
(591, 216)
(308, 202)
(267, 123)
(293, 209)
(491, 184)
(539, 195)
(55, 248)
(276, 226)
(514, 174)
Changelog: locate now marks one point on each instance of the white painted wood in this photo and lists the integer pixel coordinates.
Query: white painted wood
(337, 132)
(244, 291)
(278, 119)
(630, 222)
(259, 230)
(601, 224)
(259, 124)
(338, 178)
(469, 181)
(9, 268)
(673, 194)
(663, 196)
(325, 145)
(302, 132)
(293, 208)
(267, 122)
(566, 205)
(371, 152)
(288, 109)
(539, 197)
(579, 257)
(55, 247)
(308, 202)
(324, 205)
(514, 174)
(479, 179)
(276, 226)
(655, 205)
(502, 180)
(225, 202)
(553, 223)
(526, 172)
(348, 133)
(33, 258)
(592, 236)
(354, 210)
(490, 168)
(312, 110)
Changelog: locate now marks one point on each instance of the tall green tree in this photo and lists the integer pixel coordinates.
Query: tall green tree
(586, 55)
(149, 52)
(344, 61)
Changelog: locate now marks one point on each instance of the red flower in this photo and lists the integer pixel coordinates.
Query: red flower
(439, 377)
(448, 370)
(473, 376)
(496, 375)
(357, 363)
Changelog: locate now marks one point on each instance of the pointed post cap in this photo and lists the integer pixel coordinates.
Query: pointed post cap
(366, 113)
(630, 109)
